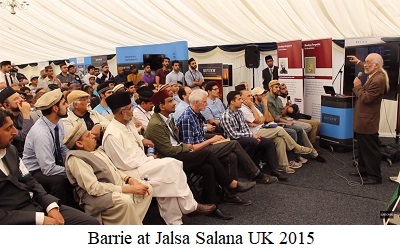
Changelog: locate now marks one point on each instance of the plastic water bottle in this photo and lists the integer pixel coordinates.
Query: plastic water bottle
(151, 151)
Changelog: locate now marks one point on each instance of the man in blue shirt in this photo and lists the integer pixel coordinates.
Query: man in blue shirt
(183, 94)
(215, 107)
(44, 152)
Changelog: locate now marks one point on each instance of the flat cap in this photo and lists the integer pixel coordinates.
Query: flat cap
(258, 91)
(49, 99)
(74, 134)
(76, 94)
(273, 82)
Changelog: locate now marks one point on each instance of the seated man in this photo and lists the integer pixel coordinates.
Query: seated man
(276, 109)
(11, 100)
(23, 200)
(105, 192)
(183, 93)
(162, 131)
(191, 131)
(215, 107)
(255, 119)
(44, 152)
(312, 127)
(125, 147)
(104, 91)
(78, 101)
(144, 110)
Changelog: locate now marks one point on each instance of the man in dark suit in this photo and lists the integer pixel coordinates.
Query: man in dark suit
(23, 200)
(269, 73)
(367, 115)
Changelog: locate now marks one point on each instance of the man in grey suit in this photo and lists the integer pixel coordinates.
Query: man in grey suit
(23, 200)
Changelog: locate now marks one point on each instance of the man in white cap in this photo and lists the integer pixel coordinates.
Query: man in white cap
(78, 101)
(44, 152)
(33, 85)
(125, 147)
(106, 193)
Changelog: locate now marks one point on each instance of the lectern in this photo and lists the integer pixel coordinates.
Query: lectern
(337, 122)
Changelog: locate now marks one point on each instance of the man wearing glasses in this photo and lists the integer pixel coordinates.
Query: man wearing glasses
(215, 107)
(79, 101)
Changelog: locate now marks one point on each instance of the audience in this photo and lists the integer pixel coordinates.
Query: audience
(126, 149)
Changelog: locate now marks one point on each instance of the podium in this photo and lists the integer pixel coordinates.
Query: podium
(337, 122)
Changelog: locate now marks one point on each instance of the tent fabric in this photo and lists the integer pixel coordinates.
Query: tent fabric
(53, 30)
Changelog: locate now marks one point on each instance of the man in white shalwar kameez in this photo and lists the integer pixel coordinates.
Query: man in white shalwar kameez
(110, 195)
(125, 147)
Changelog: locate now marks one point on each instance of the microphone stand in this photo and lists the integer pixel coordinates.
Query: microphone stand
(339, 73)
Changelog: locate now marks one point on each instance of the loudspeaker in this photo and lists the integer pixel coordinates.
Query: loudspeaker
(252, 56)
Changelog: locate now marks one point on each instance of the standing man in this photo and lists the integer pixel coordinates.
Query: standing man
(105, 74)
(367, 115)
(269, 73)
(5, 78)
(162, 73)
(134, 76)
(148, 77)
(12, 101)
(120, 77)
(175, 75)
(23, 200)
(64, 76)
(194, 79)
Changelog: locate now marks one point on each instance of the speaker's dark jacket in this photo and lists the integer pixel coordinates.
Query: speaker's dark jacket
(266, 75)
(16, 204)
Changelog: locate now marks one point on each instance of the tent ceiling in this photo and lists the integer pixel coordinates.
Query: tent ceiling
(51, 30)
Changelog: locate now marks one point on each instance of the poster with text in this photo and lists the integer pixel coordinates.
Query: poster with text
(290, 69)
(317, 73)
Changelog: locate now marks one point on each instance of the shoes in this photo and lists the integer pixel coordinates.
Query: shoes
(286, 169)
(319, 158)
(371, 181)
(203, 209)
(295, 165)
(266, 179)
(236, 200)
(242, 187)
(302, 150)
(280, 176)
(394, 179)
(301, 160)
(220, 215)
(355, 173)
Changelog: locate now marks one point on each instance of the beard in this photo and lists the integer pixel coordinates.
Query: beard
(61, 115)
(284, 95)
(193, 67)
(127, 118)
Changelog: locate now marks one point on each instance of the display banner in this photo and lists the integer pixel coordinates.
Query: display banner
(290, 63)
(81, 63)
(97, 61)
(153, 54)
(317, 73)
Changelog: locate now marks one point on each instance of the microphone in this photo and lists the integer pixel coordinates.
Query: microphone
(360, 74)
